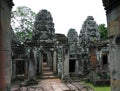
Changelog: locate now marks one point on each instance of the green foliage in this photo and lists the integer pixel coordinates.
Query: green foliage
(103, 31)
(98, 88)
(22, 22)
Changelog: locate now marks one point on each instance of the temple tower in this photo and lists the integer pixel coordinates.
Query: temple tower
(43, 35)
(89, 36)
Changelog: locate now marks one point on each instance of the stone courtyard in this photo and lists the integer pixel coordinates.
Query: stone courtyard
(54, 84)
(52, 61)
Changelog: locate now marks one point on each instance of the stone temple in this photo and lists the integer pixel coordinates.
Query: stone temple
(49, 55)
(66, 56)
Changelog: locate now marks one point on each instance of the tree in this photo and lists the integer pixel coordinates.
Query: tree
(22, 22)
(103, 31)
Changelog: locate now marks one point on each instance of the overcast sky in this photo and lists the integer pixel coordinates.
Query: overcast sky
(67, 13)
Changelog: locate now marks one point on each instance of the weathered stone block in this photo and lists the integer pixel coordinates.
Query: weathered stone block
(114, 22)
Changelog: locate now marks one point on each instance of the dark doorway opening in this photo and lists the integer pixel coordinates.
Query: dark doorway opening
(105, 59)
(72, 65)
(20, 67)
(44, 57)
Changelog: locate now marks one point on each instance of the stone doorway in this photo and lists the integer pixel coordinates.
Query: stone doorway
(47, 71)
(72, 65)
(46, 61)
(45, 58)
(104, 59)
(20, 68)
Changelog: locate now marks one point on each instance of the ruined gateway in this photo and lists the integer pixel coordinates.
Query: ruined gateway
(67, 56)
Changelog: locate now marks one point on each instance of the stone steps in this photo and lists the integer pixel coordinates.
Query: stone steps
(46, 69)
(48, 77)
(47, 72)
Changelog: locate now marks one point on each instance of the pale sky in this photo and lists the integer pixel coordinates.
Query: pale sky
(67, 13)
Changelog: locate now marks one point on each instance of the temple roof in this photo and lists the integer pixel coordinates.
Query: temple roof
(44, 21)
(72, 35)
(61, 38)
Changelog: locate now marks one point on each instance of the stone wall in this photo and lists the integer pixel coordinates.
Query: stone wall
(113, 18)
(5, 48)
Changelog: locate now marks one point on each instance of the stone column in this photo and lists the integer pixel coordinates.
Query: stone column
(49, 56)
(5, 45)
(40, 61)
(26, 68)
(66, 64)
(2, 68)
(13, 69)
(114, 60)
(32, 68)
(55, 61)
(76, 67)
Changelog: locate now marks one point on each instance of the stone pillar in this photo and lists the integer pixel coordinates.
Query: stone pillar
(32, 65)
(113, 19)
(55, 61)
(2, 68)
(26, 68)
(66, 64)
(5, 45)
(52, 58)
(40, 61)
(77, 67)
(32, 69)
(49, 56)
(114, 60)
(13, 69)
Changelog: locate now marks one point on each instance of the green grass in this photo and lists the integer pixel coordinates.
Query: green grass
(99, 88)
